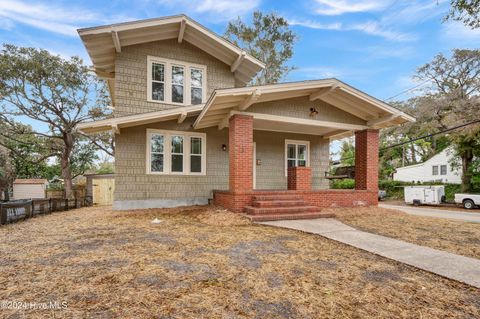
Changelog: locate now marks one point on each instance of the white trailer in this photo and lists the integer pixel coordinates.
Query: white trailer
(424, 195)
(469, 201)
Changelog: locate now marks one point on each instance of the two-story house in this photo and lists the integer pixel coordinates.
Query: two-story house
(189, 129)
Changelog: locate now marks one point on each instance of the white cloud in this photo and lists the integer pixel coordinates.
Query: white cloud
(319, 72)
(218, 10)
(414, 12)
(376, 29)
(370, 27)
(53, 18)
(458, 31)
(227, 7)
(6, 24)
(338, 7)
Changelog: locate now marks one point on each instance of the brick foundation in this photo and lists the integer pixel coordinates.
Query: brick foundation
(319, 198)
(299, 178)
(366, 160)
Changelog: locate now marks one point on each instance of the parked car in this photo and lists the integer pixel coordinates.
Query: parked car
(468, 201)
(425, 195)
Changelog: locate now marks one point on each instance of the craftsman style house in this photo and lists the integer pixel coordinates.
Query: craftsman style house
(189, 129)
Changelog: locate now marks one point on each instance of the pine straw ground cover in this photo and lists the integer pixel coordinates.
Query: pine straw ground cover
(453, 236)
(200, 263)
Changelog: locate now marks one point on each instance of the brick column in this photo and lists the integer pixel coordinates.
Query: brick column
(366, 160)
(299, 178)
(240, 137)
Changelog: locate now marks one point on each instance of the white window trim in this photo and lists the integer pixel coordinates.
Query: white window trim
(167, 151)
(438, 170)
(168, 80)
(296, 142)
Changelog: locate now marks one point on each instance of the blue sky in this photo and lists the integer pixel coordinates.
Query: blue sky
(375, 45)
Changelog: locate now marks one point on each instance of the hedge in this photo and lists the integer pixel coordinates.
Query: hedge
(394, 189)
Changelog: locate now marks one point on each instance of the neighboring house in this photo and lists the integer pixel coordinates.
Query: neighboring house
(188, 129)
(29, 188)
(436, 169)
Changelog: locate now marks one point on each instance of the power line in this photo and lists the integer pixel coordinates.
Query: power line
(408, 90)
(422, 137)
(432, 134)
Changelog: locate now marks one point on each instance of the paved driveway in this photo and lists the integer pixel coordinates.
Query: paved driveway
(471, 217)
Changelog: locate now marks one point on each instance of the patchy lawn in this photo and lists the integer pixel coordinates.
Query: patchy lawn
(199, 263)
(452, 236)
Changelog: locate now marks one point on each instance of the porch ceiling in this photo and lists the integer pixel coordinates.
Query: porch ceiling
(376, 114)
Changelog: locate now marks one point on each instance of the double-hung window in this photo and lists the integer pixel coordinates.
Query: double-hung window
(175, 82)
(443, 169)
(171, 152)
(435, 170)
(297, 153)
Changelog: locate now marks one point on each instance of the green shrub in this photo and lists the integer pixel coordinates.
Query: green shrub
(346, 183)
(395, 189)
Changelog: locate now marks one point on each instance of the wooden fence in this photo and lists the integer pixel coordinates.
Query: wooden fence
(22, 209)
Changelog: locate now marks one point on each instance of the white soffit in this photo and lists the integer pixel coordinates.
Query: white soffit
(103, 42)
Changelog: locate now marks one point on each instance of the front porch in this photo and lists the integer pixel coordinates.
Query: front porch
(299, 199)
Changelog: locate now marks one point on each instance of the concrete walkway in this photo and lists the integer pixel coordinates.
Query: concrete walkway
(460, 268)
(470, 217)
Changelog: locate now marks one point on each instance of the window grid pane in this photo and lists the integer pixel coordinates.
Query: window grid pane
(195, 145)
(157, 156)
(195, 163)
(158, 81)
(435, 170)
(177, 153)
(177, 84)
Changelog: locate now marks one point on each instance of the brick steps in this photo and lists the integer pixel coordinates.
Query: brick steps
(250, 210)
(278, 203)
(277, 197)
(264, 218)
(282, 206)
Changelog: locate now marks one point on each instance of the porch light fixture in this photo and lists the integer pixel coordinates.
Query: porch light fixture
(313, 111)
(224, 147)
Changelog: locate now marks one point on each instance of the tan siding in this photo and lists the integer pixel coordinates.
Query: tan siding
(271, 152)
(300, 107)
(132, 182)
(131, 73)
(23, 191)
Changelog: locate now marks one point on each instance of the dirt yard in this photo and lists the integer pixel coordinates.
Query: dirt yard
(453, 236)
(198, 263)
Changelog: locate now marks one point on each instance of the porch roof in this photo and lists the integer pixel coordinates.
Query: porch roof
(224, 103)
(115, 124)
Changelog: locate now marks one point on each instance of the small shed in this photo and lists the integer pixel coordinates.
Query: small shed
(29, 188)
(100, 188)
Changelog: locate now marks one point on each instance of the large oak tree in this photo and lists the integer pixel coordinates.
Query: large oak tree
(56, 95)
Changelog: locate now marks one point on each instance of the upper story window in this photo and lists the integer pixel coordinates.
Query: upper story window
(443, 169)
(435, 170)
(176, 82)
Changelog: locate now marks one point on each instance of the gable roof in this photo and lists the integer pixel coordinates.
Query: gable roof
(447, 152)
(103, 42)
(375, 113)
